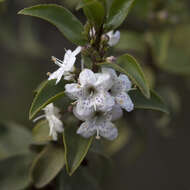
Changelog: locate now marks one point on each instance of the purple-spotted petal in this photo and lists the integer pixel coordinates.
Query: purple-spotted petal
(125, 82)
(108, 131)
(84, 109)
(103, 101)
(124, 101)
(86, 129)
(73, 90)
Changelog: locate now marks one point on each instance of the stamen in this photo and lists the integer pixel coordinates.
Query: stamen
(94, 106)
(74, 103)
(82, 64)
(48, 74)
(53, 59)
(56, 61)
(97, 134)
(39, 117)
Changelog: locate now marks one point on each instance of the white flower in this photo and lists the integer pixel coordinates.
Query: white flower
(91, 93)
(66, 66)
(53, 117)
(121, 85)
(113, 37)
(101, 125)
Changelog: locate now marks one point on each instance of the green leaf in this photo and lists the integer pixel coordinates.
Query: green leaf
(14, 140)
(128, 65)
(40, 133)
(47, 93)
(82, 179)
(155, 102)
(14, 172)
(47, 165)
(94, 11)
(117, 13)
(76, 148)
(63, 19)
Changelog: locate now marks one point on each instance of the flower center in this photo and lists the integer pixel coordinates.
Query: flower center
(91, 90)
(98, 114)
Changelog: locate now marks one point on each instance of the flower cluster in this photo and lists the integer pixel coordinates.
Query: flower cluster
(98, 97)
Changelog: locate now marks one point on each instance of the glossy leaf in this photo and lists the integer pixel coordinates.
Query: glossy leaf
(154, 103)
(63, 19)
(128, 65)
(117, 13)
(14, 140)
(47, 165)
(40, 133)
(47, 93)
(14, 172)
(94, 11)
(76, 148)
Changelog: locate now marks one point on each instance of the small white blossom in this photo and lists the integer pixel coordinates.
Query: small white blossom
(66, 66)
(53, 117)
(91, 93)
(101, 125)
(120, 88)
(113, 37)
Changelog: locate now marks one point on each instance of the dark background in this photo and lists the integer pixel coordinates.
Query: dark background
(26, 46)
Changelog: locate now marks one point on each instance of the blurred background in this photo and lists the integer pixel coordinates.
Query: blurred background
(152, 151)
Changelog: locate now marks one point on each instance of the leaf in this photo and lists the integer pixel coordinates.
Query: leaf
(47, 165)
(47, 93)
(76, 148)
(14, 172)
(41, 132)
(155, 102)
(100, 166)
(117, 13)
(14, 140)
(81, 179)
(128, 65)
(94, 11)
(63, 19)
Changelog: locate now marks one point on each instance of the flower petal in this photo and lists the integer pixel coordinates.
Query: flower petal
(86, 129)
(104, 81)
(73, 90)
(116, 113)
(83, 109)
(87, 77)
(113, 38)
(125, 82)
(124, 101)
(57, 75)
(103, 101)
(108, 130)
(77, 51)
(57, 124)
(110, 71)
(69, 61)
